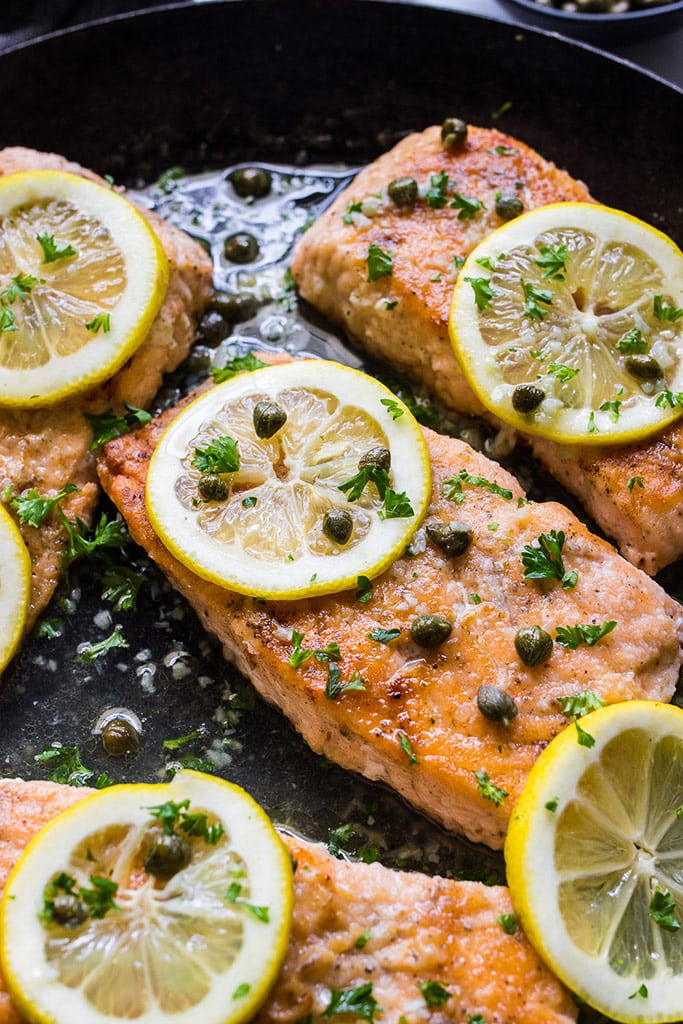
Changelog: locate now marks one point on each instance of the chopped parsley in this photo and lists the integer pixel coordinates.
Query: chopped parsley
(383, 636)
(584, 738)
(407, 748)
(359, 1001)
(329, 653)
(436, 194)
(362, 940)
(121, 585)
(364, 592)
(52, 251)
(169, 179)
(7, 320)
(262, 913)
(174, 813)
(467, 207)
(20, 288)
(508, 922)
(350, 210)
(396, 504)
(533, 296)
(562, 372)
(434, 993)
(589, 634)
(663, 911)
(90, 652)
(632, 343)
(502, 151)
(298, 655)
(579, 704)
(612, 408)
(483, 292)
(334, 687)
(553, 261)
(380, 263)
(543, 560)
(393, 408)
(180, 741)
(664, 312)
(240, 364)
(107, 425)
(488, 791)
(552, 805)
(250, 502)
(670, 399)
(642, 992)
(339, 838)
(220, 456)
(452, 488)
(242, 990)
(66, 767)
(108, 533)
(97, 901)
(635, 481)
(33, 510)
(100, 322)
(502, 109)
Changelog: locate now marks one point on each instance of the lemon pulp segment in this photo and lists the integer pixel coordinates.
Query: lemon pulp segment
(15, 586)
(595, 860)
(201, 947)
(82, 276)
(583, 304)
(266, 537)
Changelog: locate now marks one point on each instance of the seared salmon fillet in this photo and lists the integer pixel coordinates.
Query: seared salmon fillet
(50, 447)
(418, 929)
(402, 318)
(417, 726)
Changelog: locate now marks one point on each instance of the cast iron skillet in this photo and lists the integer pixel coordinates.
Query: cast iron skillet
(300, 81)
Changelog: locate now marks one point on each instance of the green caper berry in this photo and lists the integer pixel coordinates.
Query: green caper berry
(253, 182)
(241, 247)
(212, 487)
(527, 397)
(453, 132)
(338, 525)
(378, 456)
(508, 207)
(453, 538)
(213, 328)
(495, 704)
(166, 855)
(403, 191)
(533, 645)
(68, 910)
(430, 630)
(120, 737)
(643, 367)
(235, 307)
(269, 417)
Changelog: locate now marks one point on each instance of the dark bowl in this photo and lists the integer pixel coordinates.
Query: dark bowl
(603, 28)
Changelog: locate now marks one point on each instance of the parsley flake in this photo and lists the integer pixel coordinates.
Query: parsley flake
(508, 922)
(407, 748)
(359, 1001)
(543, 560)
(584, 738)
(7, 320)
(220, 456)
(240, 364)
(66, 767)
(533, 296)
(670, 399)
(578, 704)
(436, 194)
(383, 636)
(380, 263)
(172, 813)
(90, 652)
(588, 633)
(642, 992)
(298, 655)
(553, 261)
(33, 510)
(393, 408)
(635, 481)
(100, 322)
(334, 687)
(663, 911)
(488, 791)
(52, 251)
(452, 488)
(434, 993)
(467, 207)
(664, 312)
(632, 343)
(364, 592)
(483, 292)
(107, 425)
(262, 913)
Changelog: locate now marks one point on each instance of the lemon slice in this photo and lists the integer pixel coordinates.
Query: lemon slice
(295, 513)
(82, 276)
(95, 928)
(568, 323)
(15, 586)
(594, 858)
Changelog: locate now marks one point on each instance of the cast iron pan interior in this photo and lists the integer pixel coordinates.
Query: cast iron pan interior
(204, 86)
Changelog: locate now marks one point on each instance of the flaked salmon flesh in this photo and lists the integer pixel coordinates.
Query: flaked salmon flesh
(48, 448)
(417, 726)
(416, 929)
(402, 318)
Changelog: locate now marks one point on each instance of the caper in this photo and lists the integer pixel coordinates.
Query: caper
(508, 207)
(527, 397)
(453, 538)
(430, 630)
(68, 910)
(234, 306)
(453, 132)
(241, 247)
(338, 525)
(643, 367)
(166, 854)
(212, 487)
(120, 737)
(213, 327)
(495, 704)
(380, 457)
(269, 417)
(403, 191)
(533, 645)
(251, 181)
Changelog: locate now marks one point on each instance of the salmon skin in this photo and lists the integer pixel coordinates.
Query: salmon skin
(412, 929)
(49, 447)
(417, 725)
(403, 318)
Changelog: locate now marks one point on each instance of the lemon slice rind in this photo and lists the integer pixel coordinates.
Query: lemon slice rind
(311, 573)
(533, 846)
(147, 274)
(492, 367)
(15, 586)
(235, 993)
